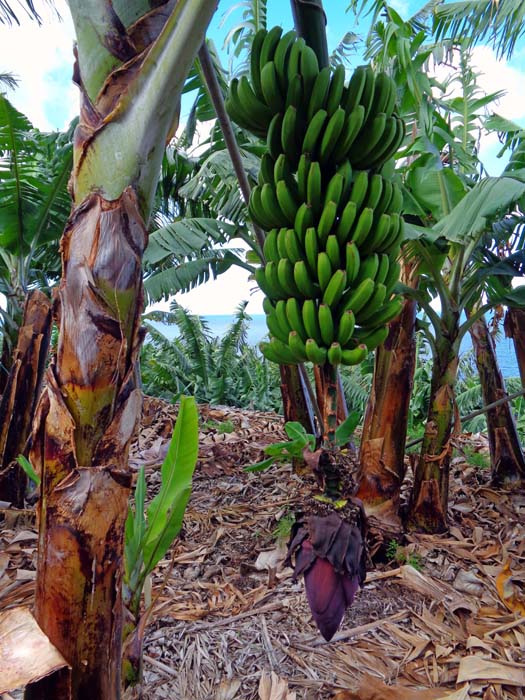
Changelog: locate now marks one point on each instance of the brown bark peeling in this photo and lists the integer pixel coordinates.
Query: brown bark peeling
(85, 425)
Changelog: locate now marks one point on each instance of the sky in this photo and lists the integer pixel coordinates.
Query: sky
(41, 58)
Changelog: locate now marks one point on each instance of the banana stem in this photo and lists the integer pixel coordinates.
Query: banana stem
(216, 96)
(332, 480)
(310, 22)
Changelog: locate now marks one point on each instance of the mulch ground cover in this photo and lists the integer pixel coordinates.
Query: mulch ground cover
(443, 617)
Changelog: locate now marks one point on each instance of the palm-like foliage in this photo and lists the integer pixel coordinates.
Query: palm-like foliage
(502, 22)
(217, 370)
(34, 206)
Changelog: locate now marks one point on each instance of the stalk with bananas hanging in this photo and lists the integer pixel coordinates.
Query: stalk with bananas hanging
(332, 215)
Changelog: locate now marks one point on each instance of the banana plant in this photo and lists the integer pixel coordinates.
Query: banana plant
(132, 59)
(34, 207)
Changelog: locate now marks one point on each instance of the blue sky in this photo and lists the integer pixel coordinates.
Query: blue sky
(42, 58)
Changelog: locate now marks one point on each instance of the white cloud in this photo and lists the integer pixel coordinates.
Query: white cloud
(41, 57)
(496, 75)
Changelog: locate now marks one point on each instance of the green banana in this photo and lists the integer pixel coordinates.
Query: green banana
(285, 275)
(368, 269)
(270, 88)
(276, 353)
(395, 205)
(324, 270)
(363, 226)
(295, 317)
(375, 189)
(335, 354)
(270, 246)
(266, 171)
(386, 313)
(311, 320)
(289, 131)
(331, 135)
(351, 129)
(282, 318)
(393, 239)
(275, 327)
(359, 188)
(345, 328)
(352, 262)
(362, 150)
(281, 169)
(388, 144)
(373, 305)
(326, 221)
(311, 248)
(335, 91)
(280, 57)
(272, 282)
(287, 202)
(358, 79)
(303, 169)
(319, 93)
(335, 288)
(386, 196)
(333, 251)
(304, 219)
(354, 356)
(268, 306)
(378, 234)
(255, 60)
(281, 243)
(367, 95)
(314, 353)
(384, 265)
(303, 281)
(273, 139)
(314, 188)
(346, 222)
(297, 347)
(392, 277)
(356, 298)
(294, 92)
(308, 68)
(313, 133)
(256, 210)
(294, 250)
(255, 108)
(260, 278)
(334, 189)
(294, 56)
(384, 88)
(270, 205)
(375, 337)
(345, 170)
(269, 45)
(326, 324)
(239, 114)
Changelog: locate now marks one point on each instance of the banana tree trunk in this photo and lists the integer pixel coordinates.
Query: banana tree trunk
(21, 393)
(429, 498)
(382, 455)
(515, 328)
(506, 455)
(130, 81)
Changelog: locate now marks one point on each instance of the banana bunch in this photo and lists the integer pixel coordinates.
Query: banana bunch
(325, 197)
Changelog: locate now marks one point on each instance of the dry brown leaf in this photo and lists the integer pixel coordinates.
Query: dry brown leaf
(26, 654)
(227, 689)
(511, 596)
(372, 688)
(271, 687)
(271, 559)
(476, 668)
(468, 582)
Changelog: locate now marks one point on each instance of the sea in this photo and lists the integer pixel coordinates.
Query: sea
(257, 330)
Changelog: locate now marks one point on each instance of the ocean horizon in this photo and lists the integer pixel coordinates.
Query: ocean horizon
(257, 330)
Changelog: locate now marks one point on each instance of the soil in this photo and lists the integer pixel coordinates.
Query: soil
(441, 616)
